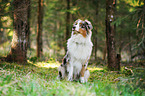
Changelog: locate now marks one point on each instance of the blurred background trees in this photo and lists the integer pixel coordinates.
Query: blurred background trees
(39, 28)
(58, 17)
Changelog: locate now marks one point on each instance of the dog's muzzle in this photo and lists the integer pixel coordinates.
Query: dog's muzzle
(76, 32)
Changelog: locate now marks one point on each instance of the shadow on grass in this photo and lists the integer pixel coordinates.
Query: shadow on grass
(46, 73)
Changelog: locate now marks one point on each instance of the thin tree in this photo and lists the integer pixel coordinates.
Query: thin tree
(28, 29)
(110, 32)
(39, 28)
(67, 22)
(96, 2)
(18, 52)
(1, 33)
(144, 13)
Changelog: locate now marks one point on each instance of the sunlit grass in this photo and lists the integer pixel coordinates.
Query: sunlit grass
(47, 65)
(57, 64)
(94, 68)
(39, 79)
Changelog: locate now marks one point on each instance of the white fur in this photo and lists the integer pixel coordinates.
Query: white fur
(62, 70)
(78, 25)
(79, 50)
(86, 75)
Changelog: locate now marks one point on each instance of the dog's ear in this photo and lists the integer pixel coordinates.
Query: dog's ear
(89, 25)
(65, 60)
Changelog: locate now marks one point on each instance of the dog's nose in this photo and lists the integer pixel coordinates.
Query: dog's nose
(73, 28)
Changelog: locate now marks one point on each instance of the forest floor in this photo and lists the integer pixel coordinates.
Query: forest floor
(39, 79)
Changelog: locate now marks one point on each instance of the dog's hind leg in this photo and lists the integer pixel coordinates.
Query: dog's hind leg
(61, 72)
(62, 69)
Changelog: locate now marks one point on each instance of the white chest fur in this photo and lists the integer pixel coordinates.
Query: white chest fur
(79, 48)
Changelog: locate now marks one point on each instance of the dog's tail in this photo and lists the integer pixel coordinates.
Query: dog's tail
(65, 60)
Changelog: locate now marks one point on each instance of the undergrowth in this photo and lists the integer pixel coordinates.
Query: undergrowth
(39, 79)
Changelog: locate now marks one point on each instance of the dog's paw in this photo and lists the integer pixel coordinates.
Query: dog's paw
(70, 79)
(86, 80)
(82, 79)
(59, 78)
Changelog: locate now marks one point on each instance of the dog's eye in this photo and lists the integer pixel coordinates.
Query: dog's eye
(83, 26)
(76, 23)
(86, 23)
(89, 27)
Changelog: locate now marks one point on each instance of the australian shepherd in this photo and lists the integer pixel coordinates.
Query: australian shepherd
(79, 46)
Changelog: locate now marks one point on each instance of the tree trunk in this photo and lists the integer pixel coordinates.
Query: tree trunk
(105, 51)
(143, 29)
(120, 41)
(1, 25)
(28, 29)
(39, 28)
(144, 13)
(95, 35)
(1, 32)
(129, 37)
(110, 31)
(18, 52)
(67, 22)
(95, 46)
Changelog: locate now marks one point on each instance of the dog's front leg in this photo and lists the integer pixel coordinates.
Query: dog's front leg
(82, 79)
(70, 75)
(86, 75)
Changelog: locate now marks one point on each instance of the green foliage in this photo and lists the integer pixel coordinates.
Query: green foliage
(33, 59)
(51, 60)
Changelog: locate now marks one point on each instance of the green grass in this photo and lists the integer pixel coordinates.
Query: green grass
(39, 79)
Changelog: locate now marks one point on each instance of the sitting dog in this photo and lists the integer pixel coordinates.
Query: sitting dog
(79, 46)
(64, 70)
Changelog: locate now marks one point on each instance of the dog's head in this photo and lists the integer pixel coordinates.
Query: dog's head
(82, 27)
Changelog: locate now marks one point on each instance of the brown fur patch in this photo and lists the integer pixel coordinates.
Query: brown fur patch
(83, 32)
(82, 71)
